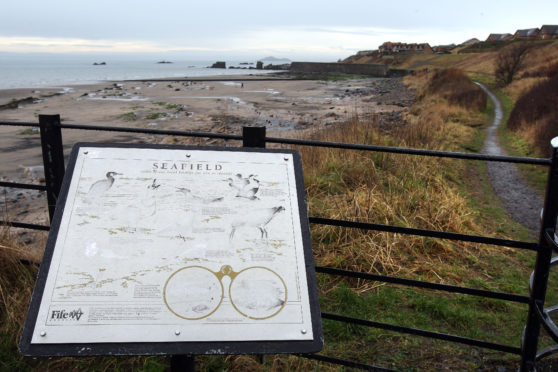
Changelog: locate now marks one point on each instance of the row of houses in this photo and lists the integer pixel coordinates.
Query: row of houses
(543, 33)
(389, 48)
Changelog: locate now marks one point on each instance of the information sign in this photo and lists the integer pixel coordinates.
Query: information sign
(177, 250)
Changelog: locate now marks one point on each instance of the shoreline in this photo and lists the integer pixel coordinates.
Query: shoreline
(286, 107)
(9, 94)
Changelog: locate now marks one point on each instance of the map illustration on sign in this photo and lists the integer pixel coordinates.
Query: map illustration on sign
(166, 245)
(196, 292)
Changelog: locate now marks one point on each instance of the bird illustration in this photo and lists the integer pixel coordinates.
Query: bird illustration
(246, 187)
(188, 194)
(149, 200)
(100, 187)
(154, 185)
(258, 218)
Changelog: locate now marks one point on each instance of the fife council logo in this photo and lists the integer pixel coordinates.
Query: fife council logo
(64, 315)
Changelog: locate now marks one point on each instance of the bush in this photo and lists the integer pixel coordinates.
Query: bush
(548, 70)
(457, 88)
(510, 60)
(536, 114)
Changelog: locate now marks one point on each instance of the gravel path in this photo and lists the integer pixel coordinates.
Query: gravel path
(519, 199)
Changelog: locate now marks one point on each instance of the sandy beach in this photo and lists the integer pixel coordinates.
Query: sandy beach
(286, 107)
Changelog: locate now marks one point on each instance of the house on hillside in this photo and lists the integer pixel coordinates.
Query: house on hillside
(443, 48)
(527, 34)
(364, 53)
(391, 48)
(470, 42)
(499, 37)
(548, 32)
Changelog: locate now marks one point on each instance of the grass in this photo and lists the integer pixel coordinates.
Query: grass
(169, 106)
(156, 115)
(129, 116)
(534, 115)
(28, 131)
(410, 191)
(423, 193)
(532, 126)
(517, 145)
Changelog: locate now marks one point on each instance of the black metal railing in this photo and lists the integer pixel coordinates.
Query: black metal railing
(51, 140)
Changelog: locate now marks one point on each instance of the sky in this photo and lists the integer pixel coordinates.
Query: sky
(247, 29)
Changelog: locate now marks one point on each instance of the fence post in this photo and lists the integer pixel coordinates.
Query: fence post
(542, 266)
(253, 137)
(182, 363)
(53, 158)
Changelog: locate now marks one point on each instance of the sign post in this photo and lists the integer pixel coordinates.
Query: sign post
(177, 250)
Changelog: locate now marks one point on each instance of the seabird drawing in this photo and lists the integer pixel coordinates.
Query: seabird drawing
(154, 185)
(258, 218)
(246, 187)
(102, 186)
(188, 194)
(149, 200)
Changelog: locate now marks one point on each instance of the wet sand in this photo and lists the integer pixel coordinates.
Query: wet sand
(286, 108)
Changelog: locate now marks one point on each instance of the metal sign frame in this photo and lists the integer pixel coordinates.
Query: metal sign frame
(174, 348)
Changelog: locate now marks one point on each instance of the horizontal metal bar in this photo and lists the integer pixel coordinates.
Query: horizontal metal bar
(427, 233)
(17, 185)
(292, 141)
(23, 225)
(180, 80)
(346, 363)
(19, 124)
(423, 284)
(423, 333)
(410, 151)
(153, 131)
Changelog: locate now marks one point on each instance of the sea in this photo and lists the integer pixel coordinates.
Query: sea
(62, 71)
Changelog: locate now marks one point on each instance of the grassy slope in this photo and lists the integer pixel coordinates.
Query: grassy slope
(397, 189)
(480, 66)
(463, 264)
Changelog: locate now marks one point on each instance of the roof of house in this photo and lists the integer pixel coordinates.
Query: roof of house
(528, 32)
(551, 29)
(471, 41)
(498, 36)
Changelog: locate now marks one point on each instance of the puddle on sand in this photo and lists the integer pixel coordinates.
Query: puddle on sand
(229, 98)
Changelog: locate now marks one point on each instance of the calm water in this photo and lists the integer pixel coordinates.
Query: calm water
(33, 72)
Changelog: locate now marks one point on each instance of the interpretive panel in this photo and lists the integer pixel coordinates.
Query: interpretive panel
(177, 245)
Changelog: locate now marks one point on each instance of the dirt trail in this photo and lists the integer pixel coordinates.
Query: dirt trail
(519, 199)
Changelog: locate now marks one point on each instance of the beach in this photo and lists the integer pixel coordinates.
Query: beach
(224, 104)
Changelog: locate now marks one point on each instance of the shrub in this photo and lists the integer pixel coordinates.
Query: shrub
(510, 60)
(457, 88)
(536, 114)
(547, 70)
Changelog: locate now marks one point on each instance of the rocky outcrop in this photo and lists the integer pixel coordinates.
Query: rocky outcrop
(286, 66)
(219, 64)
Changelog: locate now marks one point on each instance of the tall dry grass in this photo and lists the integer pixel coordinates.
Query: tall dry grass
(453, 85)
(402, 190)
(535, 115)
(16, 285)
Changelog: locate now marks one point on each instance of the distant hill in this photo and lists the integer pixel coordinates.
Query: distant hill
(275, 59)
